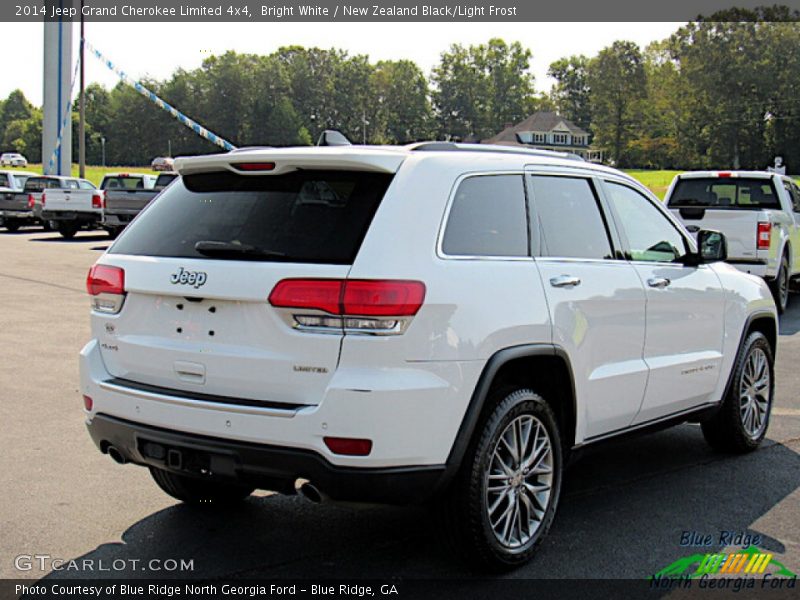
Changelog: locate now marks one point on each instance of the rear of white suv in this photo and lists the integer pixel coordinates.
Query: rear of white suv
(400, 324)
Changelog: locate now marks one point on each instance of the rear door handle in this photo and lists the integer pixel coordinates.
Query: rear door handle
(658, 282)
(565, 281)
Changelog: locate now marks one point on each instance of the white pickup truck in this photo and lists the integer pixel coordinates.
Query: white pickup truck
(759, 213)
(72, 208)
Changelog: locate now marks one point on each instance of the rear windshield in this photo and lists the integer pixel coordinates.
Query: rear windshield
(733, 192)
(37, 184)
(124, 183)
(302, 216)
(4, 182)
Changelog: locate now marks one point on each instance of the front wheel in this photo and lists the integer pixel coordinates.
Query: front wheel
(194, 490)
(742, 420)
(503, 501)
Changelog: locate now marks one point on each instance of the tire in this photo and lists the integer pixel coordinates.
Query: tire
(742, 420)
(478, 516)
(194, 490)
(780, 285)
(12, 226)
(67, 229)
(113, 232)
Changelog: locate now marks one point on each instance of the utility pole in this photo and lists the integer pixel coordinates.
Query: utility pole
(82, 110)
(103, 145)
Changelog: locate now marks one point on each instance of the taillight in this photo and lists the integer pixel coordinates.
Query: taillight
(43, 198)
(31, 201)
(97, 200)
(764, 235)
(360, 305)
(106, 285)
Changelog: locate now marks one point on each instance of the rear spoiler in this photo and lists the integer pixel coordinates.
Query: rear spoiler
(276, 161)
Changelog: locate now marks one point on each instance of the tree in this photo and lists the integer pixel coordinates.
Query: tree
(571, 92)
(618, 84)
(479, 89)
(399, 97)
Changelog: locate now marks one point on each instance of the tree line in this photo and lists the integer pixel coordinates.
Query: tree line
(718, 93)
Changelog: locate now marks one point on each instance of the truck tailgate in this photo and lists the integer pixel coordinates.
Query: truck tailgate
(71, 200)
(128, 200)
(739, 226)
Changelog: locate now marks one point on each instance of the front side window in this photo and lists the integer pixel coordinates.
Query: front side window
(487, 218)
(651, 237)
(794, 195)
(568, 218)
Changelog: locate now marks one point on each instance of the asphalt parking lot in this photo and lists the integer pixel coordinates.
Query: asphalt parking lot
(622, 511)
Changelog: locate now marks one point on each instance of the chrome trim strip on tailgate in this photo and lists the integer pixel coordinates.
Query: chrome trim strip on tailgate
(200, 400)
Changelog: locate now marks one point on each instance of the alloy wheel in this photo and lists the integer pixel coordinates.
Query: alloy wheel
(518, 481)
(755, 389)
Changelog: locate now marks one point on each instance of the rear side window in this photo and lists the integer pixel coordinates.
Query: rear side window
(303, 216)
(727, 192)
(569, 218)
(487, 218)
(164, 180)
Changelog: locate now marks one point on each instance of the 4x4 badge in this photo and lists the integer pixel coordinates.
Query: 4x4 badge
(194, 278)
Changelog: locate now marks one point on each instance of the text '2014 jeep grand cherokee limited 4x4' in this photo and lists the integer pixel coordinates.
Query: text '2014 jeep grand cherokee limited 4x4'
(395, 324)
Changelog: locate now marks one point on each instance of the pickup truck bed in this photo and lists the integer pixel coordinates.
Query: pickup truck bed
(14, 210)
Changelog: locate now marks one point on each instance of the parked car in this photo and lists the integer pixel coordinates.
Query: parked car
(125, 195)
(163, 163)
(759, 213)
(25, 207)
(14, 211)
(73, 205)
(438, 321)
(13, 159)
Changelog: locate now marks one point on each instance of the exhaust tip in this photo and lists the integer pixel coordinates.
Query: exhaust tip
(116, 455)
(310, 492)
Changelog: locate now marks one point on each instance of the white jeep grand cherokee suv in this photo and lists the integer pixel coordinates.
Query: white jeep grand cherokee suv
(399, 324)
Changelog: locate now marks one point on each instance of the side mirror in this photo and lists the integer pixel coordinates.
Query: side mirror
(712, 247)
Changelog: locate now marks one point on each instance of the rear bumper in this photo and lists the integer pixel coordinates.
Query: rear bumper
(17, 214)
(119, 219)
(70, 215)
(267, 467)
(411, 413)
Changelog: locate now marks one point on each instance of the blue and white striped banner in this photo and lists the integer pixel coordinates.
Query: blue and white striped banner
(191, 124)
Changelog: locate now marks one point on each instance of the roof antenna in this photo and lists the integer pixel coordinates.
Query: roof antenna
(331, 137)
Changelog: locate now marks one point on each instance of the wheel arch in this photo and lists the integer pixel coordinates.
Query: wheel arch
(524, 365)
(764, 322)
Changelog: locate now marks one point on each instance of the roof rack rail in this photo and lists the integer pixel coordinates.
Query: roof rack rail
(458, 147)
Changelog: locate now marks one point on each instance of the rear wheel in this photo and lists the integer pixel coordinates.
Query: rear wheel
(67, 229)
(503, 502)
(194, 490)
(742, 420)
(113, 232)
(11, 225)
(780, 285)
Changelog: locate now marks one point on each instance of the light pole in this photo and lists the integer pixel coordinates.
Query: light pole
(103, 147)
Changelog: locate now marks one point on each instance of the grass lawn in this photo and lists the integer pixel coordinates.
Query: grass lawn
(656, 181)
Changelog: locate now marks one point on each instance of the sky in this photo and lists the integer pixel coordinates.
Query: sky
(156, 50)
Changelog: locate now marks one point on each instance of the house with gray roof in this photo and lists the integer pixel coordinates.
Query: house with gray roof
(548, 131)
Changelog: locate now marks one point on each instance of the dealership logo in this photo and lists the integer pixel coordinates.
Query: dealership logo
(193, 278)
(747, 561)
